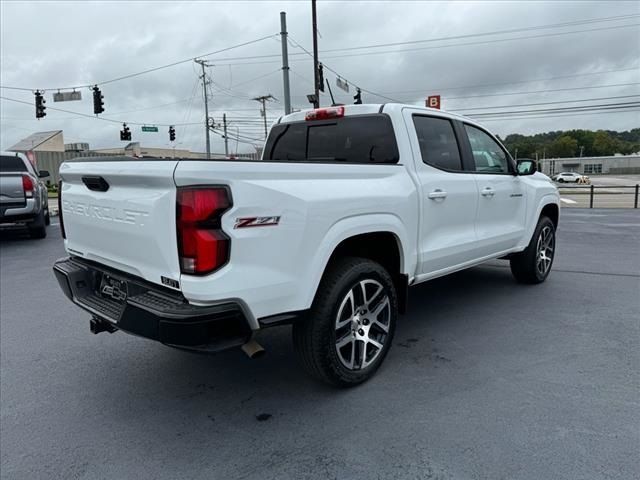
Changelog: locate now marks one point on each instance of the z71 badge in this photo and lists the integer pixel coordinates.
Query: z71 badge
(247, 222)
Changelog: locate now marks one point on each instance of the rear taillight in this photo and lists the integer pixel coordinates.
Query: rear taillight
(202, 245)
(28, 186)
(64, 235)
(324, 113)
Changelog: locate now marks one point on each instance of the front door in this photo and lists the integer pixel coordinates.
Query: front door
(501, 195)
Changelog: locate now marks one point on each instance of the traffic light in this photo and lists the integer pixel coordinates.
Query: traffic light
(40, 108)
(320, 77)
(98, 104)
(357, 97)
(125, 133)
(172, 134)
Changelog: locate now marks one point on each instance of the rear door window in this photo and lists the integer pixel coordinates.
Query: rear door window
(438, 143)
(11, 163)
(355, 139)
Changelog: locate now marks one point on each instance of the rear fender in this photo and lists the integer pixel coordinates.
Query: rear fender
(358, 225)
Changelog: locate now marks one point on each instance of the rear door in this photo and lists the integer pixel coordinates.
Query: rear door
(449, 195)
(501, 195)
(122, 213)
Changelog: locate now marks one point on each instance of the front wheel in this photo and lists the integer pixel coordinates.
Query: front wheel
(351, 323)
(534, 263)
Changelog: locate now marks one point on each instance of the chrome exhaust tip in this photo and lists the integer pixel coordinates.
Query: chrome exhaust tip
(253, 349)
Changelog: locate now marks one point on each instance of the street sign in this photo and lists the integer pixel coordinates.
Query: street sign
(67, 96)
(433, 101)
(342, 84)
(149, 129)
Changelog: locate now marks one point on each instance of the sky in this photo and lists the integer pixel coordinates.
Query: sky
(481, 57)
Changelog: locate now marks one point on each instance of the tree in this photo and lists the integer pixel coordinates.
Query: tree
(603, 144)
(564, 146)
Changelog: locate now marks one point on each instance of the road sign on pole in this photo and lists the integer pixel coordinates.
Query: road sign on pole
(433, 101)
(149, 129)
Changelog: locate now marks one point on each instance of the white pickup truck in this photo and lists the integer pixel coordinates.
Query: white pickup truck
(348, 207)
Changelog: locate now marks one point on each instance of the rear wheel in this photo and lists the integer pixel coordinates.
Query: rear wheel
(351, 324)
(47, 218)
(534, 263)
(38, 228)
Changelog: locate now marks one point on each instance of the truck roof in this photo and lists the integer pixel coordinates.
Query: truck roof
(370, 108)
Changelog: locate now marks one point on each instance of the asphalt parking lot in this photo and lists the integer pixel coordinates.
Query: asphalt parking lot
(487, 379)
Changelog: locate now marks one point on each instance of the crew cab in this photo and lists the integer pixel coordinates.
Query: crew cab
(348, 207)
(23, 195)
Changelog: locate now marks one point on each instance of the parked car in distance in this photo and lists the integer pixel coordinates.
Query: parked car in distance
(348, 208)
(570, 177)
(23, 195)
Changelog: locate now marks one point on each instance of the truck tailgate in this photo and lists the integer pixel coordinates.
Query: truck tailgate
(127, 219)
(11, 191)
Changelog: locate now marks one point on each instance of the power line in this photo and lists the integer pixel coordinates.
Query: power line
(582, 108)
(341, 76)
(101, 118)
(497, 32)
(529, 117)
(483, 42)
(546, 103)
(143, 72)
(548, 79)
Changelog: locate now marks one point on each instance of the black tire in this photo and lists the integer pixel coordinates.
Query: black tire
(529, 266)
(47, 218)
(314, 338)
(38, 228)
(560, 180)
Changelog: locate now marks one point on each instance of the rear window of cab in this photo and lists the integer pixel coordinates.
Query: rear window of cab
(351, 139)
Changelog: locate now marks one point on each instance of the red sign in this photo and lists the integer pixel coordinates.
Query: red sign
(433, 101)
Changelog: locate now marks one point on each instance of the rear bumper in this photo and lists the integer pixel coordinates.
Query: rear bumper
(19, 213)
(151, 311)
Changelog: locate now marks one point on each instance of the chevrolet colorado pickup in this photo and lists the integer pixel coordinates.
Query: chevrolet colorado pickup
(348, 207)
(23, 195)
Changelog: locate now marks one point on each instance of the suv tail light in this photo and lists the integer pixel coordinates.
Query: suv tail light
(28, 186)
(325, 113)
(202, 245)
(64, 235)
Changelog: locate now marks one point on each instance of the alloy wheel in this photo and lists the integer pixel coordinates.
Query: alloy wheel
(544, 250)
(362, 324)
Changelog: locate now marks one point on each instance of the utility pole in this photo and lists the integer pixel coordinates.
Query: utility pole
(226, 140)
(285, 62)
(263, 100)
(203, 64)
(315, 53)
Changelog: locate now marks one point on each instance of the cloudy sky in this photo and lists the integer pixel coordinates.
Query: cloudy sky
(481, 57)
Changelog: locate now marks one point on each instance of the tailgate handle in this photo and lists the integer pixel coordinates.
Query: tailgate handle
(97, 184)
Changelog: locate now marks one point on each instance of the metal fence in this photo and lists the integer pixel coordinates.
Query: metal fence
(600, 196)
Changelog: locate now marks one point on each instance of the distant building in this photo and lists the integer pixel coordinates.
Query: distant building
(40, 142)
(613, 165)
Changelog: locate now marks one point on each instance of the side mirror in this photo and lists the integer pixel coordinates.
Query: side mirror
(526, 166)
(43, 174)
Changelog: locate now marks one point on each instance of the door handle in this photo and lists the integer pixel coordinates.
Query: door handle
(437, 193)
(488, 192)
